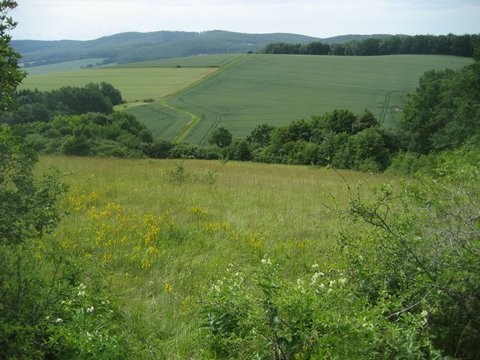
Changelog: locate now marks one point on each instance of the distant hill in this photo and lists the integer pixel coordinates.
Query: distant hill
(134, 46)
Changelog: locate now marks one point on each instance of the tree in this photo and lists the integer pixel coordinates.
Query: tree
(222, 137)
(10, 75)
(110, 92)
(260, 136)
(243, 151)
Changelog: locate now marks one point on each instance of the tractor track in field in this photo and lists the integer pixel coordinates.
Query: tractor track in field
(194, 118)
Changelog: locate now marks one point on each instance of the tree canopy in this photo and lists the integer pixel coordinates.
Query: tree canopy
(10, 74)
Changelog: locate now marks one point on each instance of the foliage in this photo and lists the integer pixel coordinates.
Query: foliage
(45, 312)
(260, 314)
(118, 135)
(456, 45)
(443, 113)
(339, 138)
(222, 137)
(10, 75)
(27, 204)
(36, 106)
(421, 251)
(192, 151)
(405, 285)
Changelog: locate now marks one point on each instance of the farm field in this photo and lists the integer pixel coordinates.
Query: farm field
(65, 66)
(278, 89)
(136, 84)
(159, 235)
(198, 61)
(193, 95)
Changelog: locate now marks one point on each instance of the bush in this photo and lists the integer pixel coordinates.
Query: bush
(27, 204)
(47, 311)
(421, 249)
(260, 314)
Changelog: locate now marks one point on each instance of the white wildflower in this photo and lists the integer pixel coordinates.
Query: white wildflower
(315, 277)
(342, 281)
(58, 320)
(315, 266)
(90, 309)
(266, 261)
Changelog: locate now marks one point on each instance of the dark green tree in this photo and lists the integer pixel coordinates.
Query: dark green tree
(222, 137)
(243, 151)
(112, 93)
(10, 74)
(261, 135)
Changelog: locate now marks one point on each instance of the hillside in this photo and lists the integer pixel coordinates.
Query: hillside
(278, 89)
(134, 46)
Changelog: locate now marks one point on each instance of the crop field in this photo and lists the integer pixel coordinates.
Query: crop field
(136, 84)
(161, 230)
(193, 95)
(65, 66)
(277, 89)
(199, 61)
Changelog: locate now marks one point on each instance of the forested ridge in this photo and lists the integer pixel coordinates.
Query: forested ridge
(455, 45)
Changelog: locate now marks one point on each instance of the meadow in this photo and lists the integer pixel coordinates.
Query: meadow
(160, 231)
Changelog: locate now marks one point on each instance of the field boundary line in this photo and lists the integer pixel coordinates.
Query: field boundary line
(195, 119)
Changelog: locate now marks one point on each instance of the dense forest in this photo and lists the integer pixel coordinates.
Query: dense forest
(456, 45)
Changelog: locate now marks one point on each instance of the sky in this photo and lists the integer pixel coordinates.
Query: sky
(91, 19)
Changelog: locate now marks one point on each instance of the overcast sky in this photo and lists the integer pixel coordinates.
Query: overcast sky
(91, 19)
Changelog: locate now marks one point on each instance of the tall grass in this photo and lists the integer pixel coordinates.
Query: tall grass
(161, 230)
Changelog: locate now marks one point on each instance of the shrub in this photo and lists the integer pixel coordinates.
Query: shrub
(260, 314)
(421, 249)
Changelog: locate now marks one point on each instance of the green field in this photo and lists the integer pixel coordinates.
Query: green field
(277, 89)
(59, 67)
(192, 96)
(199, 61)
(136, 84)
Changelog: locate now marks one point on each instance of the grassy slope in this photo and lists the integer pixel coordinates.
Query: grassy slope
(278, 89)
(223, 213)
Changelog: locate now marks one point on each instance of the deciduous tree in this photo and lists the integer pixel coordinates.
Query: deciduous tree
(10, 74)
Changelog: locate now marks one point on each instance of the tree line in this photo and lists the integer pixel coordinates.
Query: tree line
(456, 45)
(43, 106)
